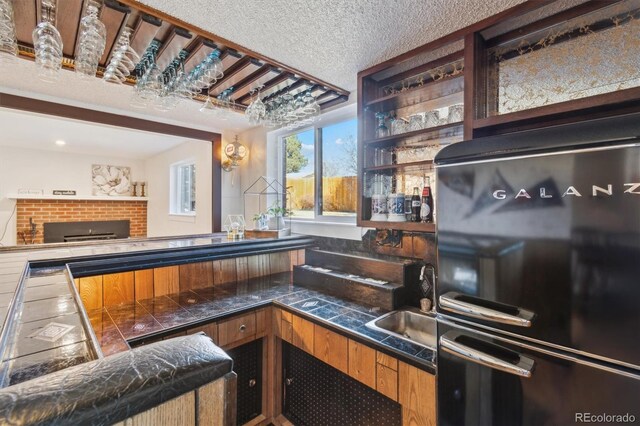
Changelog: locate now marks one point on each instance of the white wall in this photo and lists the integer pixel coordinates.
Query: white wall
(47, 170)
(159, 221)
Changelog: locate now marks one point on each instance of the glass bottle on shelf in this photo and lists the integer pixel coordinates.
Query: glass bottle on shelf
(382, 131)
(426, 206)
(416, 206)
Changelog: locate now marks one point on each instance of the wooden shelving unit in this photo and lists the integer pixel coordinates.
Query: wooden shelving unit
(465, 67)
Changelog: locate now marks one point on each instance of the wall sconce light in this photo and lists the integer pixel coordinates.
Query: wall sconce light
(235, 152)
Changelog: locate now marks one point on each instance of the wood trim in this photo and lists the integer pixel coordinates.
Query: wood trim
(76, 113)
(576, 107)
(227, 43)
(216, 183)
(475, 93)
(544, 23)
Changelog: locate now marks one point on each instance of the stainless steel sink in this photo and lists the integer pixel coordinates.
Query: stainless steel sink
(408, 324)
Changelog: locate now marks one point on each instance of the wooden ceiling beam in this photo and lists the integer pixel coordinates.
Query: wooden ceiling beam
(200, 51)
(172, 46)
(273, 85)
(242, 89)
(144, 31)
(26, 18)
(68, 16)
(230, 72)
(114, 17)
(337, 101)
(230, 81)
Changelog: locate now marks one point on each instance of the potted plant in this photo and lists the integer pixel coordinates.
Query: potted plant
(261, 221)
(276, 215)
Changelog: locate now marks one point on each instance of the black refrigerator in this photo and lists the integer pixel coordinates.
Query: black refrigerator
(538, 291)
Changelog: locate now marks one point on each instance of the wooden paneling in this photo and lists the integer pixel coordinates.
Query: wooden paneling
(387, 375)
(282, 320)
(224, 271)
(196, 275)
(387, 381)
(302, 334)
(258, 266)
(279, 262)
(211, 400)
(210, 330)
(177, 411)
(236, 329)
(143, 281)
(301, 257)
(362, 363)
(331, 348)
(242, 268)
(417, 395)
(293, 259)
(166, 280)
(91, 292)
(118, 288)
(387, 360)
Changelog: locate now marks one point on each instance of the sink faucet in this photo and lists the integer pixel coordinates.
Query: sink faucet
(427, 287)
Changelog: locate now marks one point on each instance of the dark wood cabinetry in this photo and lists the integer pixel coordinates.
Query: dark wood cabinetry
(538, 64)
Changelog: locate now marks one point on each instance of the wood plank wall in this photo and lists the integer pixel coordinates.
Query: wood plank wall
(125, 287)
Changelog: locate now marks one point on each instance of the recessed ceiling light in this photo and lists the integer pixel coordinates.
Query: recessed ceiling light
(60, 143)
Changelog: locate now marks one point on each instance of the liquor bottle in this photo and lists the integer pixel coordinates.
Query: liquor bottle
(415, 205)
(426, 207)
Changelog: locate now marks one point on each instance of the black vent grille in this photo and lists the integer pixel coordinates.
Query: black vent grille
(247, 364)
(316, 394)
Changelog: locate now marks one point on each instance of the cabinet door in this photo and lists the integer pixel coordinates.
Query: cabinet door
(417, 395)
(330, 347)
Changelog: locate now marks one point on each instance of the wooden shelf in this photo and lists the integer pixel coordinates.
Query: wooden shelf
(400, 226)
(432, 95)
(428, 133)
(398, 166)
(74, 197)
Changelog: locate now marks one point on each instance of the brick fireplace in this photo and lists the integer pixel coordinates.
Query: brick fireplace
(47, 210)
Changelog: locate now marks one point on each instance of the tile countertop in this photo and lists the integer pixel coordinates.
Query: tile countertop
(47, 298)
(150, 319)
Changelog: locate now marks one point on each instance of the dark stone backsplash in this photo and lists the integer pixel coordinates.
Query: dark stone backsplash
(421, 246)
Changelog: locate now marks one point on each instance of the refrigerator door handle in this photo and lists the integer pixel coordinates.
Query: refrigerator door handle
(523, 367)
(454, 302)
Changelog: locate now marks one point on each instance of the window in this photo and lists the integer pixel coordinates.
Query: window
(183, 188)
(321, 171)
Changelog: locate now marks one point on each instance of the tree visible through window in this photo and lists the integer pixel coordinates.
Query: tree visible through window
(336, 146)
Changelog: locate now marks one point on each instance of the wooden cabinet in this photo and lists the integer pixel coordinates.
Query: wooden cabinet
(387, 375)
(417, 395)
(412, 388)
(210, 330)
(330, 347)
(302, 334)
(237, 330)
(362, 363)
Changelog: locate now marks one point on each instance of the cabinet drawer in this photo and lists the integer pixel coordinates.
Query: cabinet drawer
(237, 329)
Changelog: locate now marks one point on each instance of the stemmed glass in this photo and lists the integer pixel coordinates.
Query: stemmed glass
(8, 42)
(91, 43)
(123, 60)
(256, 111)
(47, 44)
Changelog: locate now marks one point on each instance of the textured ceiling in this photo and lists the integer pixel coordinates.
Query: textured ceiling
(331, 39)
(35, 131)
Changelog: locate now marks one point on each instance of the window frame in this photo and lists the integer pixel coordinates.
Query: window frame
(175, 188)
(317, 127)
